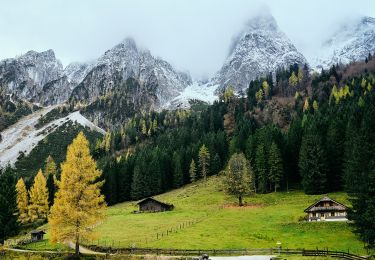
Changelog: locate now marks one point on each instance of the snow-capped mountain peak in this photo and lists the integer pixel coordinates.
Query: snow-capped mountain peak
(351, 42)
(127, 60)
(259, 49)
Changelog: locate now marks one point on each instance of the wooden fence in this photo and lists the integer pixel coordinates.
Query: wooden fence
(229, 252)
(336, 254)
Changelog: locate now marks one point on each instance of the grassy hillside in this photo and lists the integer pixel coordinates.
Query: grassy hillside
(206, 218)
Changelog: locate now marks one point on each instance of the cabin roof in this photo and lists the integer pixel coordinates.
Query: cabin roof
(336, 207)
(36, 232)
(154, 200)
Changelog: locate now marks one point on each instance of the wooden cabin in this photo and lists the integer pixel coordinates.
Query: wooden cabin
(153, 205)
(37, 235)
(327, 209)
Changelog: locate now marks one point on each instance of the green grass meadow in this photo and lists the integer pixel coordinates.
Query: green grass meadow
(206, 218)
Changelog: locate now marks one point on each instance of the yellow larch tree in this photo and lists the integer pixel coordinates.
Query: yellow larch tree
(306, 105)
(38, 208)
(22, 202)
(266, 89)
(79, 205)
(228, 94)
(293, 80)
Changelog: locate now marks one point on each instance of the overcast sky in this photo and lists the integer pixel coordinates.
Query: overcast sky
(194, 35)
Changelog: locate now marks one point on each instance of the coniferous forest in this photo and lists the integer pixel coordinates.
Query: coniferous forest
(297, 130)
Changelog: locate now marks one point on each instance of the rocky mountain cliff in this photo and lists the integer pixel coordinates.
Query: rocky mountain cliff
(126, 60)
(352, 42)
(40, 77)
(259, 49)
(35, 76)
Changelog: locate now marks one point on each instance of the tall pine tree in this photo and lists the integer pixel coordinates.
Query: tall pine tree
(312, 163)
(50, 171)
(8, 204)
(276, 168)
(261, 168)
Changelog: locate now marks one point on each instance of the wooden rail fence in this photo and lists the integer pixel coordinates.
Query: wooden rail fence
(229, 252)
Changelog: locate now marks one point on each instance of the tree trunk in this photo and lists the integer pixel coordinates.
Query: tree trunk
(275, 188)
(240, 201)
(77, 246)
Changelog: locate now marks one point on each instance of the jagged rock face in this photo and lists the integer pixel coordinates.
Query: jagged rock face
(77, 71)
(259, 49)
(26, 76)
(352, 42)
(56, 91)
(126, 61)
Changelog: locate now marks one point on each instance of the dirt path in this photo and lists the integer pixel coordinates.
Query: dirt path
(31, 251)
(84, 250)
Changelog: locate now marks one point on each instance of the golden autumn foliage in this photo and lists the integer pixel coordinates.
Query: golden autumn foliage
(259, 95)
(293, 80)
(306, 105)
(228, 94)
(38, 208)
(266, 88)
(22, 202)
(78, 206)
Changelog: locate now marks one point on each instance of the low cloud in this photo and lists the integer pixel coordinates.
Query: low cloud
(193, 35)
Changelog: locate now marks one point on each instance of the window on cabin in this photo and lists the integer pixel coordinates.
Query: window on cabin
(332, 214)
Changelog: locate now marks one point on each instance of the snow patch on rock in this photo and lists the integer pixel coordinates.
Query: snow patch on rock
(195, 91)
(22, 137)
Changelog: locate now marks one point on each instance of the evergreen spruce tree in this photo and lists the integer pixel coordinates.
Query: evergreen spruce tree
(313, 164)
(239, 177)
(293, 145)
(215, 164)
(8, 204)
(261, 168)
(276, 168)
(50, 171)
(178, 176)
(335, 154)
(38, 207)
(204, 161)
(359, 169)
(22, 202)
(78, 203)
(138, 185)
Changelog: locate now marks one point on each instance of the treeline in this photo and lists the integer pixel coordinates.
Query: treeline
(12, 109)
(162, 160)
(152, 153)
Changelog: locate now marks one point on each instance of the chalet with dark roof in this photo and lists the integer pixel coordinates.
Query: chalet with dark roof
(37, 235)
(327, 209)
(153, 205)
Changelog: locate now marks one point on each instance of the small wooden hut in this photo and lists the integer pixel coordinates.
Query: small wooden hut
(37, 235)
(153, 205)
(326, 209)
